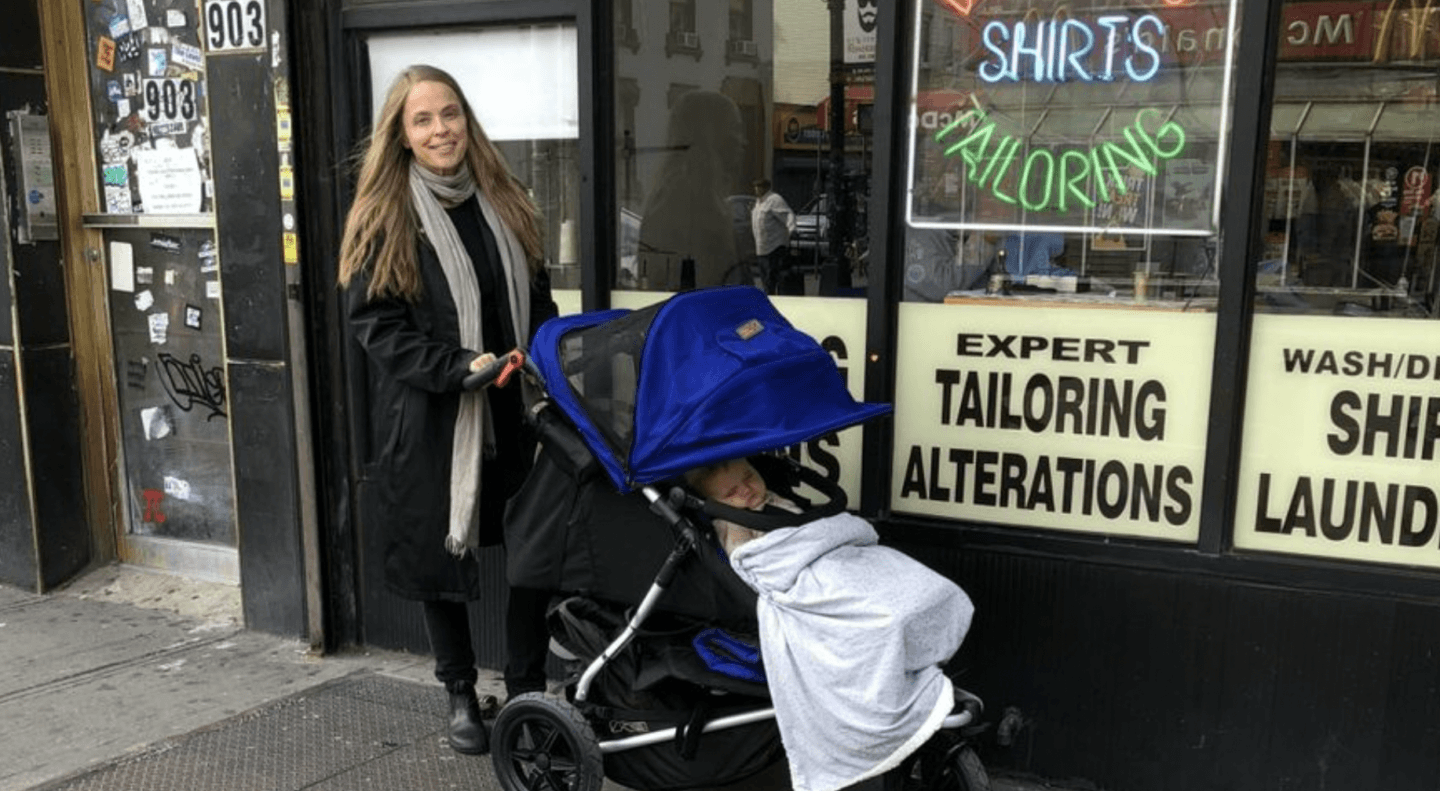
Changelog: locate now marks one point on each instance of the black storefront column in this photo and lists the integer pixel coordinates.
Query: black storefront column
(44, 540)
(250, 238)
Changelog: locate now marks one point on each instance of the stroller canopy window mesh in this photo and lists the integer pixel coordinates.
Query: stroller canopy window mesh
(702, 377)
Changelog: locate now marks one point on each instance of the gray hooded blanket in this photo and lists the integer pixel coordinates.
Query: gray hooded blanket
(853, 636)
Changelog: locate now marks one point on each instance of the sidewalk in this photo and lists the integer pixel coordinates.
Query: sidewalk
(124, 661)
(129, 679)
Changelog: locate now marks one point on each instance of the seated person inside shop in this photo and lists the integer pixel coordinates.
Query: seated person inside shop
(1035, 254)
(937, 262)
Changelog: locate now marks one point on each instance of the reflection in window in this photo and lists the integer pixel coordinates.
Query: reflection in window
(1350, 215)
(725, 106)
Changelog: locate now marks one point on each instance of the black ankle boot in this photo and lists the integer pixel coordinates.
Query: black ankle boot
(467, 733)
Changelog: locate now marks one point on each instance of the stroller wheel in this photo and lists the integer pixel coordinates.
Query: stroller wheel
(544, 742)
(945, 763)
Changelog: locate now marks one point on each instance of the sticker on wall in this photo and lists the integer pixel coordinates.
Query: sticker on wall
(177, 488)
(105, 54)
(135, 373)
(212, 289)
(128, 47)
(282, 124)
(159, 327)
(292, 248)
(131, 83)
(166, 242)
(157, 422)
(117, 199)
(144, 300)
(119, 26)
(113, 91)
(287, 183)
(170, 276)
(144, 275)
(169, 180)
(136, 11)
(156, 60)
(115, 146)
(174, 17)
(187, 55)
(234, 24)
(122, 108)
(206, 256)
(122, 267)
(192, 317)
(116, 174)
(167, 129)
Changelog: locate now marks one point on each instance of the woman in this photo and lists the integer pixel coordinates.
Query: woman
(441, 269)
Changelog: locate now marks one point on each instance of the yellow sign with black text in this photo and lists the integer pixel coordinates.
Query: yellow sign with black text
(1341, 450)
(1081, 420)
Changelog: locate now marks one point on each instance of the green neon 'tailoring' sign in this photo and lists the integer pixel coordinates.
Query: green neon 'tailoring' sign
(1049, 180)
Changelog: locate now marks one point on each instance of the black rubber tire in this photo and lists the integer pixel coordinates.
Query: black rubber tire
(542, 742)
(945, 763)
(966, 771)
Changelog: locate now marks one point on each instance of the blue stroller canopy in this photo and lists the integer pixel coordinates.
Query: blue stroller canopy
(700, 378)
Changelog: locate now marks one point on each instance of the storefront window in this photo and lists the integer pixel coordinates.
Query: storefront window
(713, 98)
(539, 139)
(1350, 215)
(1064, 169)
(1342, 420)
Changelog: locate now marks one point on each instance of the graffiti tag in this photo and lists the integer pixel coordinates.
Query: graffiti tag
(190, 384)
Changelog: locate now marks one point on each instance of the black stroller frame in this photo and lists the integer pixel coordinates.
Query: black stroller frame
(548, 741)
(720, 375)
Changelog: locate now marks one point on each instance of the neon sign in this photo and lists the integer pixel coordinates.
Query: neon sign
(1064, 50)
(1047, 180)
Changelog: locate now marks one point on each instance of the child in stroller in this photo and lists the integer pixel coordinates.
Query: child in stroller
(635, 399)
(853, 634)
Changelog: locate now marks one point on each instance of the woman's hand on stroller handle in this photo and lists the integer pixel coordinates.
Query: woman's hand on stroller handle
(487, 369)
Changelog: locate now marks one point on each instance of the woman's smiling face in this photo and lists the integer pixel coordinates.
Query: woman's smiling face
(435, 128)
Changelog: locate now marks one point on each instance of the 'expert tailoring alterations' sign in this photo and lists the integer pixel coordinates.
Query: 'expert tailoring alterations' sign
(1341, 453)
(1070, 419)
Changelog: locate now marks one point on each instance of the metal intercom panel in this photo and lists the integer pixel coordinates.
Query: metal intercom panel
(35, 177)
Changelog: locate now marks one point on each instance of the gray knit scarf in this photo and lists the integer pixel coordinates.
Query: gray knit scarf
(432, 193)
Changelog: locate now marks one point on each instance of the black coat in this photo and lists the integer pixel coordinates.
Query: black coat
(414, 381)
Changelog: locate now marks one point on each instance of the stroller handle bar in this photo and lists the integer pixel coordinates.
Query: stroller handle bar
(497, 371)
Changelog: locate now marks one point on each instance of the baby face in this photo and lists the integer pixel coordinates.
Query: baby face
(737, 485)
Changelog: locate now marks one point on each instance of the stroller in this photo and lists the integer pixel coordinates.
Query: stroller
(666, 690)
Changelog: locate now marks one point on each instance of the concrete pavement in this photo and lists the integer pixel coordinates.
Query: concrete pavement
(133, 679)
(126, 658)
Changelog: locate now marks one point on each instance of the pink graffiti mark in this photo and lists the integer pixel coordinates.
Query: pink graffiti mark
(153, 498)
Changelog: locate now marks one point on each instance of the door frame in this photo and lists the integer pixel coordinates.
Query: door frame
(332, 109)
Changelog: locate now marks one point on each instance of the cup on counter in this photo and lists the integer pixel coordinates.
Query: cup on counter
(1142, 285)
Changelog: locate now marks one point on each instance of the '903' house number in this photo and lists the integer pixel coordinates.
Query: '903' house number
(170, 99)
(234, 24)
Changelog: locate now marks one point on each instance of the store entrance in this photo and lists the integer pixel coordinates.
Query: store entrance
(521, 81)
(173, 467)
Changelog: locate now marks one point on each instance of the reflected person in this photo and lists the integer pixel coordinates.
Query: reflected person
(686, 215)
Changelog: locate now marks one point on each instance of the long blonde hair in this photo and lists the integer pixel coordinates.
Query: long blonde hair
(381, 228)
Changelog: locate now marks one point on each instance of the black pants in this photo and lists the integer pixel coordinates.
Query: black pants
(780, 274)
(527, 641)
